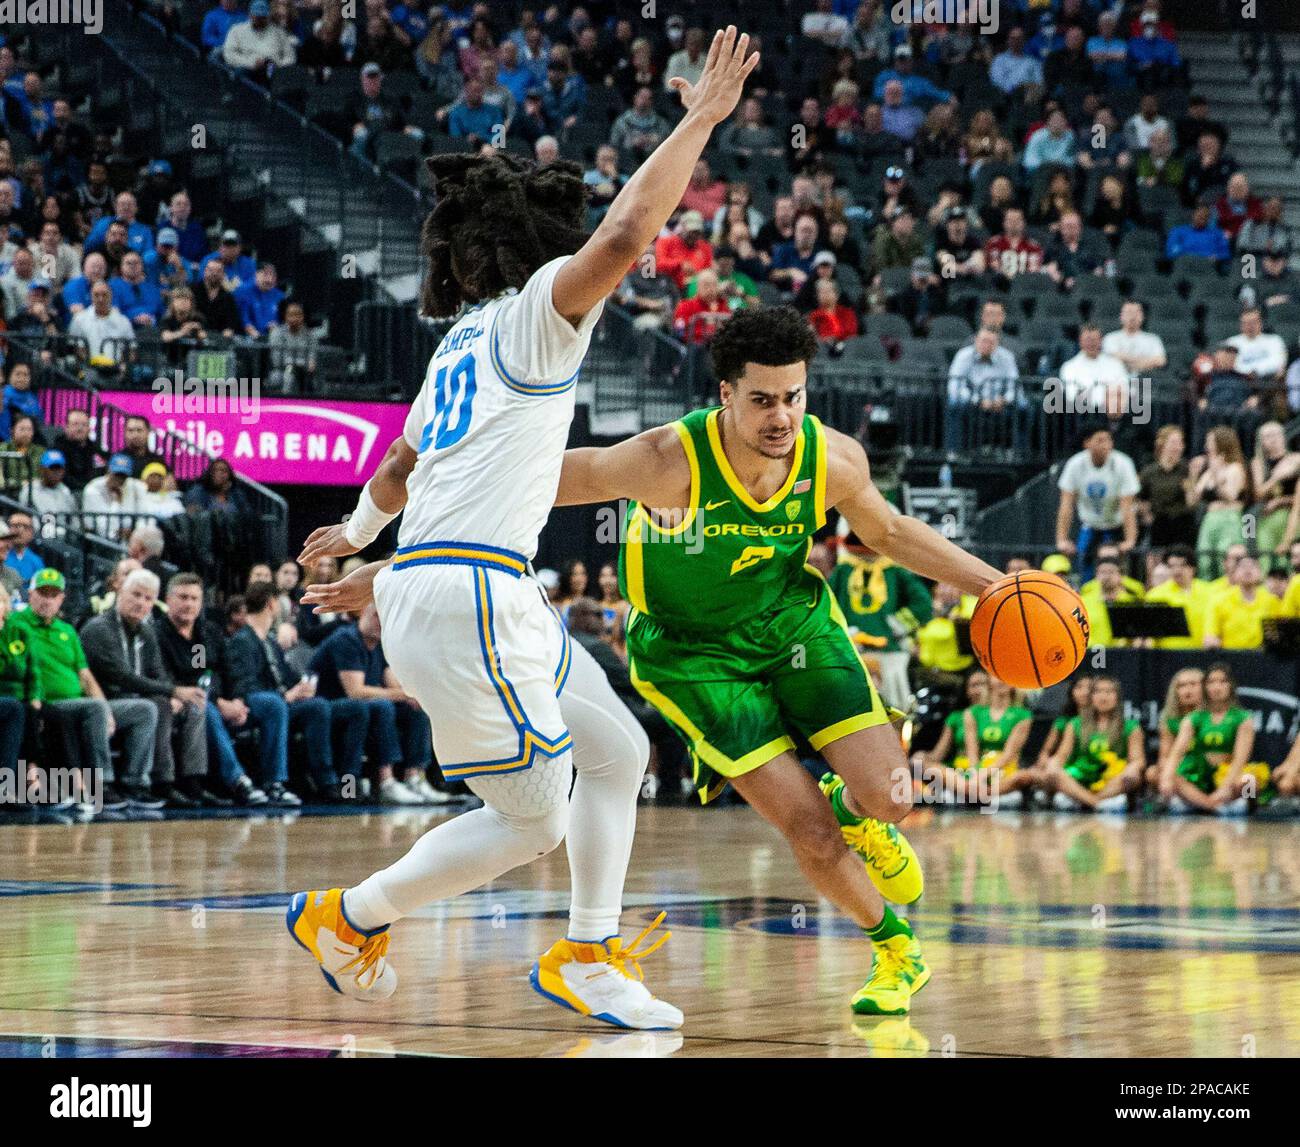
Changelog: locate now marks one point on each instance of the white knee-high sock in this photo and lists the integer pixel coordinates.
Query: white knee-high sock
(525, 819)
(610, 757)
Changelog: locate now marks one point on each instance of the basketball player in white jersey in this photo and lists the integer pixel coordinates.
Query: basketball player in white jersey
(515, 708)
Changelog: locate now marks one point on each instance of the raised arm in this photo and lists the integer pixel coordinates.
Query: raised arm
(641, 209)
(909, 542)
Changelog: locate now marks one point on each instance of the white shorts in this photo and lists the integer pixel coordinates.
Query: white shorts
(475, 641)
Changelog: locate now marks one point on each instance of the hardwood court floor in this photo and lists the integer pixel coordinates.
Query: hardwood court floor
(1048, 935)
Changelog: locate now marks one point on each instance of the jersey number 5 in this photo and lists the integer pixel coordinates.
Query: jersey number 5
(451, 389)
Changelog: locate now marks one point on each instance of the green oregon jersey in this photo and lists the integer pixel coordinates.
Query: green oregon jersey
(1211, 736)
(731, 559)
(1091, 751)
(993, 734)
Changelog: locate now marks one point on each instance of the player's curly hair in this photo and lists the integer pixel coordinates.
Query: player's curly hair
(497, 219)
(769, 336)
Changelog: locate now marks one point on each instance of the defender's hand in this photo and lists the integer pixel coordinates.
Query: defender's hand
(350, 595)
(326, 542)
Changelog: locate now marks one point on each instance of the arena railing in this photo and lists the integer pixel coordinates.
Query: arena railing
(84, 558)
(60, 391)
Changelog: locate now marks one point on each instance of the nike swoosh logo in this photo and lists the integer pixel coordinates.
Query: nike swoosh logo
(715, 505)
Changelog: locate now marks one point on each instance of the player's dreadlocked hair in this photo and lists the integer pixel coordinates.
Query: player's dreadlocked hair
(769, 336)
(501, 217)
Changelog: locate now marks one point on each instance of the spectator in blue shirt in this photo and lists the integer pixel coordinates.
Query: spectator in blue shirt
(412, 19)
(1153, 59)
(165, 267)
(236, 267)
(139, 237)
(193, 237)
(18, 398)
(351, 666)
(1054, 142)
(218, 22)
(259, 303)
(534, 50)
(1048, 40)
(1012, 69)
(792, 261)
(76, 292)
(22, 558)
(137, 298)
(916, 89)
(1109, 53)
(38, 110)
(898, 118)
(511, 74)
(565, 92)
(1200, 237)
(470, 115)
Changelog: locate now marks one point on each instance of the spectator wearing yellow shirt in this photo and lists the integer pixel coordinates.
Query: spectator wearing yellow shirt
(1291, 600)
(1185, 589)
(936, 640)
(1109, 587)
(1232, 555)
(1236, 619)
(1131, 584)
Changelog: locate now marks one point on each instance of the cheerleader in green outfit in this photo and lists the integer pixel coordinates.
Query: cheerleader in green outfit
(1101, 758)
(993, 734)
(1186, 694)
(934, 769)
(1208, 767)
(1076, 702)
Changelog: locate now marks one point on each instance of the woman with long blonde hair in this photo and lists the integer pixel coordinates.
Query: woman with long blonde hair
(1222, 483)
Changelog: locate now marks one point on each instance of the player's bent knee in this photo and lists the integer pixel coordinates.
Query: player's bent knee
(818, 843)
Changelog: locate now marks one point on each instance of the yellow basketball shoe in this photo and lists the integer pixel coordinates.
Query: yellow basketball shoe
(352, 961)
(891, 863)
(899, 973)
(603, 980)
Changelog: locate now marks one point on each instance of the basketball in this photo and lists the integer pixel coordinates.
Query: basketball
(1030, 629)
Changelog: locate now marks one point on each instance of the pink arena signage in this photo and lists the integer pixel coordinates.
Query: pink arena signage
(301, 441)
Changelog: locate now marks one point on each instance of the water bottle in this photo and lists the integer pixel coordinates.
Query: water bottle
(945, 476)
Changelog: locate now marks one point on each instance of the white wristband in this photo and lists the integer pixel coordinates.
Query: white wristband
(367, 521)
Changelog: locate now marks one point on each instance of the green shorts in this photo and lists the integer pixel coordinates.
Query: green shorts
(1085, 770)
(737, 697)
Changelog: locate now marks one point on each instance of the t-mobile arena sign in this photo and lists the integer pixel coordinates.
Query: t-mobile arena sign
(301, 441)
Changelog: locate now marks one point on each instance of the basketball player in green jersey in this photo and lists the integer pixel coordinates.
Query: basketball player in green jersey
(739, 643)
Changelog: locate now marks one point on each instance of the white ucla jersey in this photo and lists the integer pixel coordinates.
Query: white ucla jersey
(492, 419)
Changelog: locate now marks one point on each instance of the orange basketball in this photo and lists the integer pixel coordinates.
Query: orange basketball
(1030, 629)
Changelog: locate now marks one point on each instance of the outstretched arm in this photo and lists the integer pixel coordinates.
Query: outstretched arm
(650, 468)
(909, 542)
(643, 206)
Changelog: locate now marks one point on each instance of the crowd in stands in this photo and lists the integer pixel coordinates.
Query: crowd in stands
(985, 210)
(101, 255)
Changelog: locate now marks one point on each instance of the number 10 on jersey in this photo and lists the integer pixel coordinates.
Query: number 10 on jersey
(453, 390)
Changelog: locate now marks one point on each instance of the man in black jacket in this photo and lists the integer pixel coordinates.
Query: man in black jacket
(668, 756)
(194, 652)
(259, 670)
(122, 652)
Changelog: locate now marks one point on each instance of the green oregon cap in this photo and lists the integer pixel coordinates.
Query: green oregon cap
(48, 577)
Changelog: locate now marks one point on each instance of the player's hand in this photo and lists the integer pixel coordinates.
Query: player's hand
(349, 595)
(718, 91)
(326, 542)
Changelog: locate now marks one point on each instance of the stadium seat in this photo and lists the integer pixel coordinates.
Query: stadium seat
(398, 152)
(950, 327)
(891, 325)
